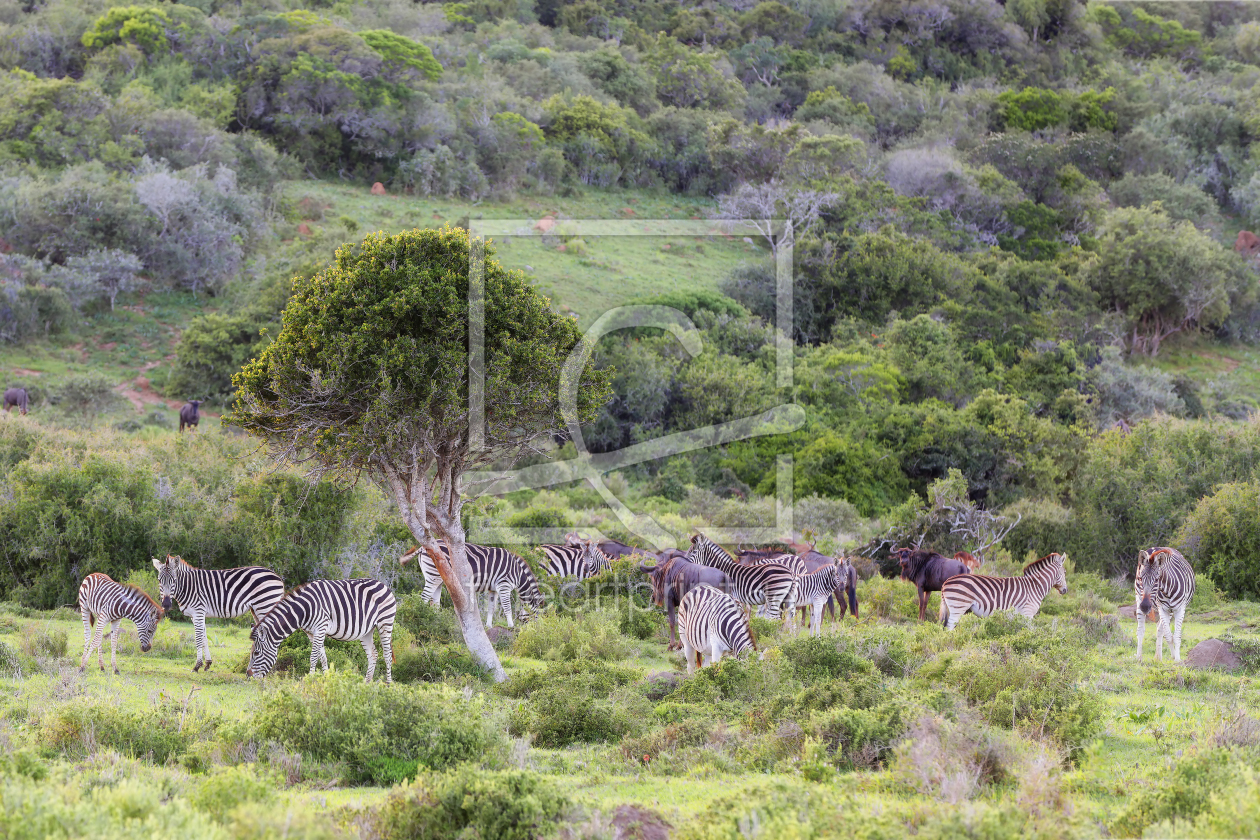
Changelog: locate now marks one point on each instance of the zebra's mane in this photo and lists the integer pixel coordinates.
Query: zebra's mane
(729, 556)
(1038, 562)
(145, 595)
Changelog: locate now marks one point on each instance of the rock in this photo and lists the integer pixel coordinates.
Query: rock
(304, 229)
(631, 822)
(545, 224)
(661, 683)
(529, 268)
(378, 188)
(1213, 653)
(141, 383)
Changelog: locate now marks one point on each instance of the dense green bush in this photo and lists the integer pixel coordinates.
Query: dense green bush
(1184, 792)
(593, 635)
(74, 729)
(495, 805)
(576, 701)
(220, 792)
(338, 717)
(824, 658)
(435, 663)
(426, 623)
(1221, 537)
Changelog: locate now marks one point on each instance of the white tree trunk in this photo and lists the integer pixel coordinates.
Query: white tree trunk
(457, 575)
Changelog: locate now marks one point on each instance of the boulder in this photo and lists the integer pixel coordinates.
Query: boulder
(631, 822)
(1213, 653)
(545, 224)
(304, 229)
(378, 188)
(1247, 243)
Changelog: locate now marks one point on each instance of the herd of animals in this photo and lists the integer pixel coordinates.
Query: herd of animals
(708, 596)
(189, 415)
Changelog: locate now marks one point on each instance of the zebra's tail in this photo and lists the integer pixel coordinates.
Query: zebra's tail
(944, 611)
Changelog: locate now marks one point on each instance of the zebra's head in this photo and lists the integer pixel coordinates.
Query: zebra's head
(594, 559)
(166, 578)
(1150, 564)
(146, 627)
(263, 652)
(1057, 572)
(841, 572)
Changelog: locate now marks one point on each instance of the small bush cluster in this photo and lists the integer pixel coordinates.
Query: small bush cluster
(468, 802)
(338, 717)
(576, 701)
(76, 728)
(593, 635)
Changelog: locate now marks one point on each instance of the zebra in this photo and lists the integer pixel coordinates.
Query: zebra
(102, 601)
(496, 571)
(578, 558)
(769, 583)
(985, 595)
(815, 588)
(1165, 581)
(217, 593)
(711, 622)
(341, 609)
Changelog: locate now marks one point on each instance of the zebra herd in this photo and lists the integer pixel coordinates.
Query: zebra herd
(711, 620)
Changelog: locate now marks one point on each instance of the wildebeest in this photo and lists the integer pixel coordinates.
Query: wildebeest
(673, 576)
(188, 415)
(15, 398)
(928, 571)
(613, 549)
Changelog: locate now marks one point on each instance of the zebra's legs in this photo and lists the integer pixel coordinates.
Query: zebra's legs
(505, 603)
(1162, 632)
(87, 637)
(489, 610)
(199, 638)
(715, 652)
(113, 646)
(690, 654)
(1141, 627)
(1178, 616)
(317, 651)
(387, 650)
(369, 647)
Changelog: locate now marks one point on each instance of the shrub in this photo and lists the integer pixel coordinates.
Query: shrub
(161, 732)
(540, 517)
(593, 635)
(436, 663)
(823, 658)
(10, 662)
(222, 791)
(85, 395)
(1013, 688)
(1221, 537)
(42, 641)
(952, 760)
(1234, 812)
(860, 738)
(576, 701)
(338, 717)
(426, 623)
(1184, 792)
(744, 678)
(496, 805)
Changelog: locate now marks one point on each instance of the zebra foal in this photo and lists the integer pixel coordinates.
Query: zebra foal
(338, 609)
(577, 558)
(496, 572)
(1164, 581)
(814, 589)
(985, 595)
(711, 623)
(769, 583)
(102, 601)
(216, 593)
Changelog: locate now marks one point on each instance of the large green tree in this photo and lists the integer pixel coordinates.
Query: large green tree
(370, 375)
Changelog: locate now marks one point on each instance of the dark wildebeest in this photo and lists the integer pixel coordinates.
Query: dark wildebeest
(928, 571)
(673, 576)
(188, 415)
(972, 561)
(613, 549)
(15, 398)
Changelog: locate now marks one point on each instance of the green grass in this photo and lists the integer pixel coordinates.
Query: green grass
(613, 269)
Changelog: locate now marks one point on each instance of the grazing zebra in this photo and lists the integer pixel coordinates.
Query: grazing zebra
(815, 589)
(104, 601)
(496, 571)
(985, 595)
(710, 622)
(340, 609)
(769, 583)
(216, 593)
(580, 559)
(1164, 581)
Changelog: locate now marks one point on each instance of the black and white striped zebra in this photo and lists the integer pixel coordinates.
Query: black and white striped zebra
(985, 595)
(338, 609)
(815, 588)
(102, 601)
(770, 583)
(216, 593)
(711, 623)
(496, 572)
(579, 558)
(1164, 582)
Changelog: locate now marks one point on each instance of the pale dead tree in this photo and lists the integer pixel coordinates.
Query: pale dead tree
(759, 205)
